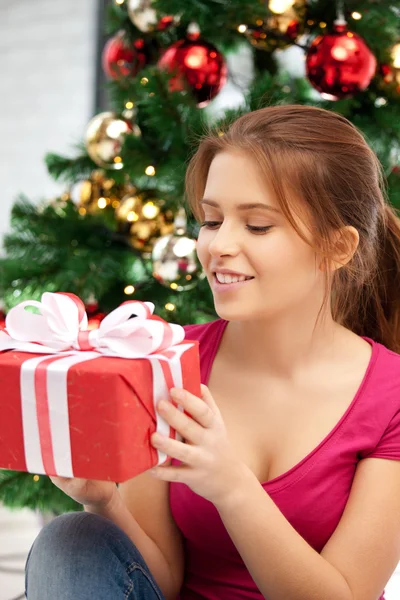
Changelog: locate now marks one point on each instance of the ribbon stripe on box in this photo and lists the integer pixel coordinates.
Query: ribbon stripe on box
(60, 331)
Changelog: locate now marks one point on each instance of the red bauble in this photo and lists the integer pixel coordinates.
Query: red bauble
(122, 58)
(197, 63)
(340, 64)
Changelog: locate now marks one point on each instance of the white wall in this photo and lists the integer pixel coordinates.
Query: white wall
(47, 79)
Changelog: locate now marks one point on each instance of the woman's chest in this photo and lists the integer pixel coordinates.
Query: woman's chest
(273, 427)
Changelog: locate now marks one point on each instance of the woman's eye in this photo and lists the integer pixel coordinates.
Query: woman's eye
(259, 229)
(209, 223)
(253, 228)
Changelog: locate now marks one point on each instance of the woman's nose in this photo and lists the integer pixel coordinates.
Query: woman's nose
(223, 242)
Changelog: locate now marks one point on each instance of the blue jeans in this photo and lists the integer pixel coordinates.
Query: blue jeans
(83, 556)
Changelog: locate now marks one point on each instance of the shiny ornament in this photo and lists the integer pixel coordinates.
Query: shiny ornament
(129, 209)
(144, 232)
(145, 18)
(105, 136)
(196, 64)
(141, 218)
(98, 192)
(122, 58)
(284, 25)
(175, 262)
(340, 64)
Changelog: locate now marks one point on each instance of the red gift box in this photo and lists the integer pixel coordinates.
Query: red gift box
(84, 414)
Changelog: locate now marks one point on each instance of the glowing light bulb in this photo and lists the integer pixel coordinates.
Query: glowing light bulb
(150, 170)
(132, 216)
(280, 6)
(150, 210)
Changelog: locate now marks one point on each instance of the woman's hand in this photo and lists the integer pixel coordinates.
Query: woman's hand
(86, 491)
(211, 466)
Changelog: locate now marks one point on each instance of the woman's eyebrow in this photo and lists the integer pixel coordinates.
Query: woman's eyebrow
(243, 206)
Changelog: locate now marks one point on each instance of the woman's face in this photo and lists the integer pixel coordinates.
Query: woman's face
(284, 269)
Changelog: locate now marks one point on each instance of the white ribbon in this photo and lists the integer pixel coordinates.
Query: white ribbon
(62, 324)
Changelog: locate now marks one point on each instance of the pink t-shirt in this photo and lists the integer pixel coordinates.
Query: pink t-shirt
(312, 495)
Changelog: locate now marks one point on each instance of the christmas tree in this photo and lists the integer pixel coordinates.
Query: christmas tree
(121, 229)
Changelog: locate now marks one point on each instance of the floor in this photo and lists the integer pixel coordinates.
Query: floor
(18, 529)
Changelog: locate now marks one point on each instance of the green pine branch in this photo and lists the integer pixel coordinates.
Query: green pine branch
(20, 490)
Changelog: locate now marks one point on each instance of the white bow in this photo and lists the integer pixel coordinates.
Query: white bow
(62, 326)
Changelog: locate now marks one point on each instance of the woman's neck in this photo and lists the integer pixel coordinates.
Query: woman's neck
(283, 348)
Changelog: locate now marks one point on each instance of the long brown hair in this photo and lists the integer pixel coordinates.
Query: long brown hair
(321, 159)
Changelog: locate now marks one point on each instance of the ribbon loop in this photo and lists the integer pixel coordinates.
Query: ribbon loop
(129, 331)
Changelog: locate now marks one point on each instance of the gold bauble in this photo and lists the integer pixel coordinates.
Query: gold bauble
(287, 21)
(129, 209)
(145, 232)
(85, 192)
(99, 191)
(105, 136)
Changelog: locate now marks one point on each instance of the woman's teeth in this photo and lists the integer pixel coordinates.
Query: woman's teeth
(225, 278)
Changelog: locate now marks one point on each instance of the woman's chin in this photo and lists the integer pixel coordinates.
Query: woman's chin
(229, 313)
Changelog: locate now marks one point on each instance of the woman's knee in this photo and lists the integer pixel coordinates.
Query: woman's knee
(63, 532)
(75, 551)
(77, 534)
(79, 552)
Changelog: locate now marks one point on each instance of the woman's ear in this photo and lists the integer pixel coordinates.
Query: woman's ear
(345, 242)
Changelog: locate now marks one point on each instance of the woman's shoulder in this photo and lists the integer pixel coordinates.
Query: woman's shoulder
(389, 359)
(208, 335)
(199, 331)
(385, 376)
(383, 402)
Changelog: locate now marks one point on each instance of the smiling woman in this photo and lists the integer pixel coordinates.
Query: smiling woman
(286, 483)
(302, 253)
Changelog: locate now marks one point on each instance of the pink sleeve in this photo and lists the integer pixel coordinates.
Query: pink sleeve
(389, 444)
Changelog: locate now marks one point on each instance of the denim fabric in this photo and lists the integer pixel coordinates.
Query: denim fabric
(83, 556)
